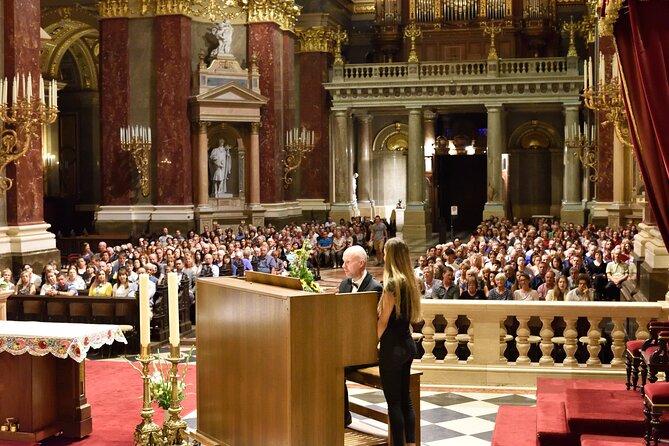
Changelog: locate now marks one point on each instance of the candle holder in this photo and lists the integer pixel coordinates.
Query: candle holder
(174, 427)
(585, 150)
(299, 143)
(137, 141)
(147, 433)
(412, 32)
(492, 29)
(339, 37)
(25, 117)
(570, 27)
(607, 97)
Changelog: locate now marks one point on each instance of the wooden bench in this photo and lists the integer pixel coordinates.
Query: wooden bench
(370, 377)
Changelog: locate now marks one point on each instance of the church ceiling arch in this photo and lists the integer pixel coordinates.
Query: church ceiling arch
(71, 29)
(534, 135)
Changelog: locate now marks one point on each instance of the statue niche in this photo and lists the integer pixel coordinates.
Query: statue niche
(220, 167)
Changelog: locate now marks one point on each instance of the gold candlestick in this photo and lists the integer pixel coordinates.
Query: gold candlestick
(571, 28)
(608, 98)
(299, 143)
(339, 37)
(137, 141)
(174, 428)
(492, 29)
(585, 150)
(147, 433)
(412, 32)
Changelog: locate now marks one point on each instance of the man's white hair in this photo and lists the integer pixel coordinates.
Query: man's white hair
(357, 251)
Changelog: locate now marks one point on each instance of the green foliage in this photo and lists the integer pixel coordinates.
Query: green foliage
(299, 269)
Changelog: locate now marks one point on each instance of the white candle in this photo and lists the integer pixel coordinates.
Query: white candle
(614, 63)
(585, 74)
(590, 78)
(2, 91)
(55, 94)
(602, 69)
(41, 90)
(15, 87)
(173, 297)
(149, 134)
(30, 86)
(144, 311)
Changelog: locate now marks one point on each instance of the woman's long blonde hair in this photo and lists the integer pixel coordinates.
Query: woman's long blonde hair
(398, 269)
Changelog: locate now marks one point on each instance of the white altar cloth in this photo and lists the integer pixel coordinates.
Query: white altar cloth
(60, 339)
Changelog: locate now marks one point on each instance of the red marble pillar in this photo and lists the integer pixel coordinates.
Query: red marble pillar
(265, 42)
(115, 165)
(604, 187)
(25, 202)
(172, 41)
(288, 73)
(314, 114)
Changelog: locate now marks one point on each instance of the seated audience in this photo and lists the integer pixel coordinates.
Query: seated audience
(75, 279)
(100, 286)
(123, 287)
(433, 287)
(583, 292)
(24, 287)
(6, 283)
(500, 292)
(524, 292)
(617, 272)
(473, 292)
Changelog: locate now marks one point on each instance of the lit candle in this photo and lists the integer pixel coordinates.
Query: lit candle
(149, 134)
(55, 94)
(585, 74)
(144, 311)
(590, 79)
(15, 87)
(614, 63)
(29, 86)
(602, 69)
(41, 90)
(173, 297)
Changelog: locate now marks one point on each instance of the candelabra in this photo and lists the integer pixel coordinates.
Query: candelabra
(339, 37)
(571, 28)
(412, 32)
(147, 433)
(584, 148)
(492, 29)
(174, 428)
(25, 116)
(607, 97)
(299, 143)
(137, 141)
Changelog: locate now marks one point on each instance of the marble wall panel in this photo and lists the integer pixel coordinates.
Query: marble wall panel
(115, 165)
(604, 187)
(265, 41)
(172, 45)
(21, 46)
(314, 114)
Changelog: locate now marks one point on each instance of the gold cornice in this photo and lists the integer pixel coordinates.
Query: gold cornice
(364, 8)
(317, 39)
(282, 12)
(113, 8)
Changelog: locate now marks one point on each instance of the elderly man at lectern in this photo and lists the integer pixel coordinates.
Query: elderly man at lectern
(358, 280)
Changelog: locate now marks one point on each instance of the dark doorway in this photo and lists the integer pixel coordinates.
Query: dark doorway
(461, 182)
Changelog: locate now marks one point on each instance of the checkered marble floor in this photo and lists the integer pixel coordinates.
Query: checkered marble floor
(448, 418)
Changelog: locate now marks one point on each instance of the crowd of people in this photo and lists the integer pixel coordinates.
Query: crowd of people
(502, 260)
(505, 260)
(218, 251)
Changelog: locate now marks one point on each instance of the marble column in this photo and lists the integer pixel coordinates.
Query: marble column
(201, 161)
(25, 239)
(364, 191)
(652, 259)
(341, 207)
(314, 115)
(415, 227)
(494, 206)
(572, 208)
(116, 184)
(265, 42)
(619, 208)
(172, 61)
(605, 138)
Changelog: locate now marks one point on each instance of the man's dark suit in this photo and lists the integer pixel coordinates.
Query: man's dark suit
(346, 286)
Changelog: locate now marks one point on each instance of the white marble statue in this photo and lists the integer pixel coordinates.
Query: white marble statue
(354, 199)
(221, 166)
(223, 33)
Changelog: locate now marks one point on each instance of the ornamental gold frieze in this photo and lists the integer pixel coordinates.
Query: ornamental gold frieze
(113, 8)
(364, 8)
(282, 12)
(317, 39)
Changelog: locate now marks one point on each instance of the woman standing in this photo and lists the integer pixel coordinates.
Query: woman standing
(398, 307)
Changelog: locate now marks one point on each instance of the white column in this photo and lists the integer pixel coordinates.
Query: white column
(364, 191)
(254, 164)
(341, 208)
(572, 208)
(415, 226)
(496, 141)
(202, 181)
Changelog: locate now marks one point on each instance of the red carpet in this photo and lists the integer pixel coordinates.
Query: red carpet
(601, 440)
(521, 430)
(114, 391)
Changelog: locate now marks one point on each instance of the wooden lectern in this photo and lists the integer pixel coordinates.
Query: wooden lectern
(270, 366)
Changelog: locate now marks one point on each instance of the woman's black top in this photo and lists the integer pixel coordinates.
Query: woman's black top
(479, 295)
(595, 270)
(397, 346)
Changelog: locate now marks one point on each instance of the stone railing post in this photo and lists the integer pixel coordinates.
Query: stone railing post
(618, 346)
(594, 347)
(522, 340)
(570, 342)
(428, 338)
(451, 343)
(546, 341)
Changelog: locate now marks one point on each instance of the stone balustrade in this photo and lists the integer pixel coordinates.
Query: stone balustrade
(511, 343)
(433, 83)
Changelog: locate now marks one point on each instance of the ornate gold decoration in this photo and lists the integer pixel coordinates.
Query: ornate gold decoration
(412, 32)
(137, 141)
(212, 10)
(588, 24)
(364, 8)
(610, 17)
(397, 141)
(339, 36)
(492, 29)
(586, 151)
(113, 8)
(317, 39)
(174, 427)
(147, 433)
(608, 98)
(299, 143)
(282, 12)
(26, 115)
(571, 28)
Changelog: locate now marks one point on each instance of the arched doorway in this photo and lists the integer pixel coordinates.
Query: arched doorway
(535, 170)
(71, 149)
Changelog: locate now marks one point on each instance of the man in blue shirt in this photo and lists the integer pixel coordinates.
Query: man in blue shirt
(266, 263)
(325, 253)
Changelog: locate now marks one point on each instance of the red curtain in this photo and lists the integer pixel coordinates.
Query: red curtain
(642, 37)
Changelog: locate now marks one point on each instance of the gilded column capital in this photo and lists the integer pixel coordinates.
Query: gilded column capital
(282, 12)
(255, 128)
(317, 39)
(113, 8)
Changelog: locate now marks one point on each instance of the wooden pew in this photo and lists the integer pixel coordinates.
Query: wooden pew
(370, 377)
